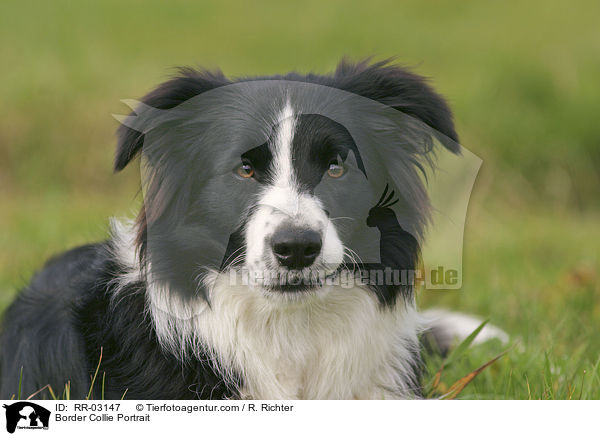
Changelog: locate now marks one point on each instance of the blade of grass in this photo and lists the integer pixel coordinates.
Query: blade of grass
(124, 393)
(509, 384)
(52, 393)
(20, 382)
(436, 379)
(462, 383)
(38, 391)
(582, 379)
(548, 380)
(89, 395)
(462, 347)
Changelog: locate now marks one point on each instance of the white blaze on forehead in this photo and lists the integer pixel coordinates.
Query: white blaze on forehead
(282, 147)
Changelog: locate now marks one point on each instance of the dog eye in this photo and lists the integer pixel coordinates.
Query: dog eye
(245, 170)
(335, 169)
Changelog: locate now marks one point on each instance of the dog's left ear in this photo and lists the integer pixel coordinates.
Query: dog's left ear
(186, 84)
(402, 90)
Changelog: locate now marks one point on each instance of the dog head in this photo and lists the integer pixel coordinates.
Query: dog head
(275, 204)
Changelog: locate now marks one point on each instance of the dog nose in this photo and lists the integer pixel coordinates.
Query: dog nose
(296, 247)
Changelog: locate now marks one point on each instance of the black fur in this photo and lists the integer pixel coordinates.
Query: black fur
(56, 328)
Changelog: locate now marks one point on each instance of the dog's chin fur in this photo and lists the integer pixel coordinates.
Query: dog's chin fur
(287, 346)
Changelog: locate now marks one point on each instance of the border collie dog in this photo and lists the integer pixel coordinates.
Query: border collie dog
(222, 340)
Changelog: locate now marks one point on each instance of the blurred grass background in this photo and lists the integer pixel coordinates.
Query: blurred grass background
(522, 78)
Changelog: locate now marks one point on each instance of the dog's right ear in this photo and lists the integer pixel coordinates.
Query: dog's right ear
(186, 84)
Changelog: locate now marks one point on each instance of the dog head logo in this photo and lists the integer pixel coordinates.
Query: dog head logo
(26, 415)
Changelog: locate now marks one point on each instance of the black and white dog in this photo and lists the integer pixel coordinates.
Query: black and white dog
(273, 339)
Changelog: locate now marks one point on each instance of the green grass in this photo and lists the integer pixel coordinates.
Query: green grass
(521, 78)
(537, 277)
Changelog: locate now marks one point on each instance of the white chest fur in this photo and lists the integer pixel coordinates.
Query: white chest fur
(339, 344)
